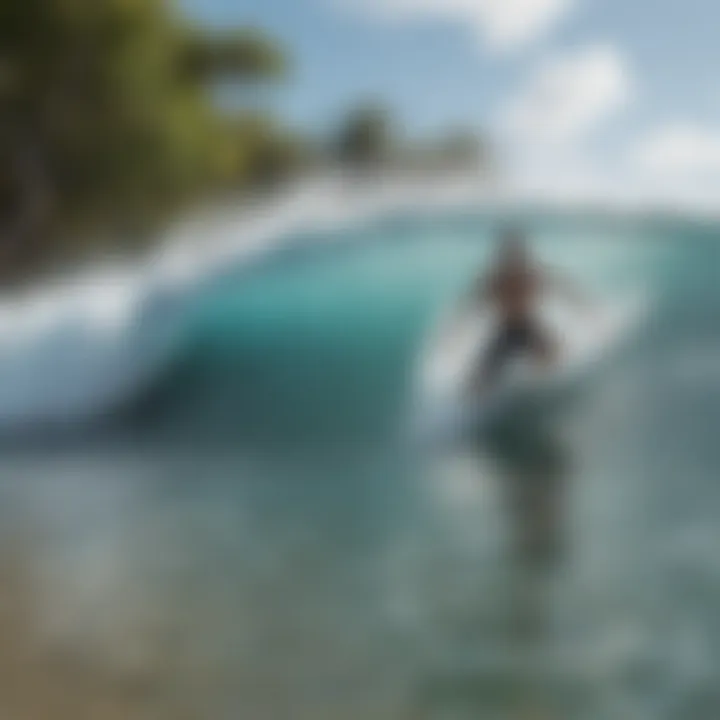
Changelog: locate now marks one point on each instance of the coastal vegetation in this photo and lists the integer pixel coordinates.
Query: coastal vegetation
(110, 124)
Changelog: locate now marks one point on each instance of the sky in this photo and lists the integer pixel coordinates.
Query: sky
(596, 94)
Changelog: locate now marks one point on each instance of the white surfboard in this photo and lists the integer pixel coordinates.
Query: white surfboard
(447, 402)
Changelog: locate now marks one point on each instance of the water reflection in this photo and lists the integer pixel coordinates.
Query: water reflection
(193, 587)
(533, 465)
(515, 675)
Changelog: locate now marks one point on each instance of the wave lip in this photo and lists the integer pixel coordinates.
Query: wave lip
(75, 350)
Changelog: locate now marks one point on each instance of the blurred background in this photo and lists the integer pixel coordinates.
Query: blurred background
(228, 232)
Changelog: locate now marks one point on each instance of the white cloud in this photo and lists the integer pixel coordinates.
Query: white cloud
(681, 149)
(567, 97)
(503, 24)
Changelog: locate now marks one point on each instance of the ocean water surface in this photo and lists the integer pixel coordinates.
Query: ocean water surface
(212, 507)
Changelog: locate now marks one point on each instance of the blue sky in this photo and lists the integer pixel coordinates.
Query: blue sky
(599, 82)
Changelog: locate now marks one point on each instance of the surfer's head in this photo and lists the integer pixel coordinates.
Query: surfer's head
(513, 249)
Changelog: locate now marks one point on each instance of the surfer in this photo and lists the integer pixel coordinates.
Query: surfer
(513, 289)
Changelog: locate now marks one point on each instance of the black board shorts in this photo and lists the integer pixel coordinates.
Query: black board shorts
(511, 340)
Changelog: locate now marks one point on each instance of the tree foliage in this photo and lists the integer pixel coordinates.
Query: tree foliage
(366, 138)
(240, 54)
(106, 112)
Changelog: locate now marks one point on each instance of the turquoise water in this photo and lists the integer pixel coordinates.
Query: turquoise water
(257, 537)
(322, 344)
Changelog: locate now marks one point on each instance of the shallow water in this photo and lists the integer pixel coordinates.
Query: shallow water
(255, 536)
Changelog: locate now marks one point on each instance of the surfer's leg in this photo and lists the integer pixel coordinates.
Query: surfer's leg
(542, 345)
(492, 361)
